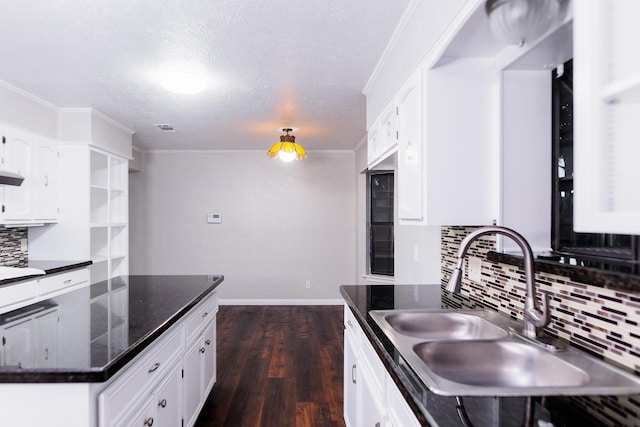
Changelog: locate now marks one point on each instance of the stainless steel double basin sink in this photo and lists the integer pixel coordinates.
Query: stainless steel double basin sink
(477, 353)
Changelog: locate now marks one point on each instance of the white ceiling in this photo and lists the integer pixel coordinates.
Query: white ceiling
(270, 64)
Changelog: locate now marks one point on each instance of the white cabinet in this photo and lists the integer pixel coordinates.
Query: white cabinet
(199, 362)
(162, 407)
(371, 398)
(35, 158)
(383, 136)
(168, 384)
(17, 157)
(45, 182)
(411, 156)
(606, 111)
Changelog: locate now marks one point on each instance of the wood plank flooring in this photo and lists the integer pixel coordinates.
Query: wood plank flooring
(278, 366)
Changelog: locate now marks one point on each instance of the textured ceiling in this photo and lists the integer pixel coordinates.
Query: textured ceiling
(269, 64)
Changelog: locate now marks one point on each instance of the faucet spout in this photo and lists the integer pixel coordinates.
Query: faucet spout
(536, 316)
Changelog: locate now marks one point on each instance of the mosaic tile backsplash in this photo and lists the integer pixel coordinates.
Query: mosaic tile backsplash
(602, 321)
(10, 246)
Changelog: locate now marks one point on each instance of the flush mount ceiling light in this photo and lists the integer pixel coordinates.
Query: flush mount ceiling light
(520, 21)
(287, 149)
(183, 82)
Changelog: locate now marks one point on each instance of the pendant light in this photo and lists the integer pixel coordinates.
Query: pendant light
(287, 149)
(520, 21)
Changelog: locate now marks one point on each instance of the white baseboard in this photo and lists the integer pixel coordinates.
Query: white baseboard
(281, 302)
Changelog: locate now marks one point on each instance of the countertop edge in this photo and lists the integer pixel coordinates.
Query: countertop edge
(94, 375)
(62, 267)
(390, 366)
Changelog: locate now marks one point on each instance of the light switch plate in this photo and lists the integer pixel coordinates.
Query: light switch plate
(475, 268)
(214, 218)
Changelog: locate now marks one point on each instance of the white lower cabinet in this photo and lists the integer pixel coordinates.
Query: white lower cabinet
(168, 384)
(199, 372)
(162, 408)
(371, 398)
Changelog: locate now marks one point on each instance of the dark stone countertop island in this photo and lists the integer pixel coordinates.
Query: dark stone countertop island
(483, 411)
(102, 327)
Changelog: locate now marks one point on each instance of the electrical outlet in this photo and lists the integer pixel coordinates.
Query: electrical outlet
(307, 284)
(474, 266)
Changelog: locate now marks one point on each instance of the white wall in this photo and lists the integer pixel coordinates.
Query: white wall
(282, 224)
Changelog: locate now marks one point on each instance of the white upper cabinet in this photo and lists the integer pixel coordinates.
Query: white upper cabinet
(35, 158)
(17, 157)
(383, 136)
(45, 181)
(606, 112)
(411, 158)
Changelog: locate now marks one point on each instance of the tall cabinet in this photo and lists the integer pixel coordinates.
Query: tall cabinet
(93, 213)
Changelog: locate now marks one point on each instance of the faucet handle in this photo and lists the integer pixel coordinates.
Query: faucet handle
(539, 316)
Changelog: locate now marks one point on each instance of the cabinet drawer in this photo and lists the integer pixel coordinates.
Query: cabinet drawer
(56, 283)
(16, 295)
(201, 316)
(352, 327)
(137, 378)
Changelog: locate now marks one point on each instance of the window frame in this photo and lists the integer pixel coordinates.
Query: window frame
(592, 254)
(372, 265)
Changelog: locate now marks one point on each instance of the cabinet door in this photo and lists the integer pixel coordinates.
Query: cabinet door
(606, 111)
(17, 343)
(167, 401)
(46, 343)
(17, 158)
(46, 182)
(350, 381)
(209, 359)
(370, 411)
(192, 381)
(410, 152)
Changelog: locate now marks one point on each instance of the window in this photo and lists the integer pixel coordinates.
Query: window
(591, 246)
(381, 223)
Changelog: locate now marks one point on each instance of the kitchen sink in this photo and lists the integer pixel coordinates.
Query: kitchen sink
(477, 353)
(498, 364)
(442, 325)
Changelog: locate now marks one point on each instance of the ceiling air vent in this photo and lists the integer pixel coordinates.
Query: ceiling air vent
(166, 127)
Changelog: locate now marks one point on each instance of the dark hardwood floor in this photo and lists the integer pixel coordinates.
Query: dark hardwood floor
(278, 366)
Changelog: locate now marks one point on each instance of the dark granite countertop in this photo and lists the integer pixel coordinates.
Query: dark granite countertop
(429, 408)
(104, 326)
(49, 267)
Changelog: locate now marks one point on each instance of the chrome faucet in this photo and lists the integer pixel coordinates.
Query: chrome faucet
(535, 318)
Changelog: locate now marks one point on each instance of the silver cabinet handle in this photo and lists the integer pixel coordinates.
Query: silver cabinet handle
(350, 324)
(66, 282)
(154, 368)
(377, 424)
(163, 403)
(208, 342)
(46, 180)
(148, 422)
(353, 373)
(205, 314)
(202, 350)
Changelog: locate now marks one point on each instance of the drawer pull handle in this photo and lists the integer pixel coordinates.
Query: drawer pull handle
(205, 314)
(208, 342)
(66, 282)
(353, 373)
(148, 422)
(202, 350)
(154, 367)
(163, 403)
(350, 324)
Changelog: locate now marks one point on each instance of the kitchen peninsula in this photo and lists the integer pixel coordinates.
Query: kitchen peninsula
(126, 351)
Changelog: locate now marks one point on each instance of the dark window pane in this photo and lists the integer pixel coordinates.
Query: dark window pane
(564, 238)
(381, 223)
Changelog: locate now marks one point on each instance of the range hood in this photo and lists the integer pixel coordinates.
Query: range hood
(10, 178)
